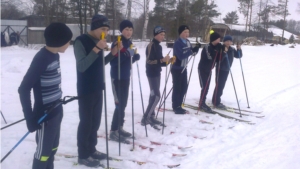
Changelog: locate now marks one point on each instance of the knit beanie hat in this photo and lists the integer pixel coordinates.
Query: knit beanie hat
(57, 34)
(182, 28)
(99, 21)
(214, 36)
(227, 37)
(124, 24)
(157, 30)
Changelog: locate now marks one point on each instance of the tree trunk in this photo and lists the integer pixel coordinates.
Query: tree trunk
(146, 11)
(80, 16)
(247, 16)
(284, 17)
(84, 15)
(251, 5)
(129, 9)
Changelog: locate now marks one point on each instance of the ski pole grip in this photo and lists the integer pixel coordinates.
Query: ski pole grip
(119, 40)
(135, 51)
(102, 35)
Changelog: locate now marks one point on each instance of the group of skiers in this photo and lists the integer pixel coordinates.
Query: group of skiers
(44, 77)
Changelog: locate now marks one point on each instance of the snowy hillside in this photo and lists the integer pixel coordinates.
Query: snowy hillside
(273, 84)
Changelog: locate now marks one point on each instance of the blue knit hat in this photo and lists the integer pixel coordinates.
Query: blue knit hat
(227, 37)
(99, 21)
(157, 30)
(124, 24)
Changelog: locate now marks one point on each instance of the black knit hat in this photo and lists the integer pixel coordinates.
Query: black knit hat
(57, 34)
(214, 36)
(124, 24)
(182, 28)
(99, 21)
(157, 30)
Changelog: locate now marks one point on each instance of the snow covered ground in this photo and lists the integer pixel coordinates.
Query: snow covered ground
(273, 84)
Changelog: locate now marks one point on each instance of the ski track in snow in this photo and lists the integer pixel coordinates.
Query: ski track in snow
(271, 75)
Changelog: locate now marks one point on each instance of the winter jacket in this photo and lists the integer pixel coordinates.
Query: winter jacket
(125, 60)
(154, 55)
(232, 52)
(89, 65)
(182, 51)
(44, 77)
(209, 56)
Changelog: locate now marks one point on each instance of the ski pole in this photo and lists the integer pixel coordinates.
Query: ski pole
(163, 99)
(3, 117)
(138, 70)
(105, 105)
(166, 81)
(131, 76)
(119, 95)
(39, 122)
(234, 87)
(12, 124)
(189, 80)
(243, 78)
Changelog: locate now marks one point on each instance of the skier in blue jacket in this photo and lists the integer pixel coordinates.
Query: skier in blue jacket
(182, 50)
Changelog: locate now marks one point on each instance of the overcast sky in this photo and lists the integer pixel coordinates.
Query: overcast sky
(225, 6)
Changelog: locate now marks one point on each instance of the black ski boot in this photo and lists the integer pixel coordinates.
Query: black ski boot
(146, 121)
(221, 106)
(155, 121)
(89, 162)
(98, 155)
(179, 110)
(114, 136)
(124, 133)
(206, 109)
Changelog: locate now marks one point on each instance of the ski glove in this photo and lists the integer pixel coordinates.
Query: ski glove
(196, 48)
(219, 46)
(136, 57)
(32, 124)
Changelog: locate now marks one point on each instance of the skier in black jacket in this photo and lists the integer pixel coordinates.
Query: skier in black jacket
(223, 67)
(209, 57)
(154, 62)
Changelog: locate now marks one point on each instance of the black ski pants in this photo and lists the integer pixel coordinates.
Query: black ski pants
(220, 84)
(90, 110)
(179, 87)
(121, 98)
(47, 139)
(204, 78)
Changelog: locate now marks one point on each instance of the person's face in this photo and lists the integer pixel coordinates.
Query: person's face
(63, 48)
(160, 37)
(98, 32)
(216, 41)
(127, 32)
(185, 34)
(228, 43)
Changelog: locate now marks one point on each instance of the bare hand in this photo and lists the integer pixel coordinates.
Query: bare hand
(226, 48)
(115, 49)
(102, 44)
(238, 46)
(166, 59)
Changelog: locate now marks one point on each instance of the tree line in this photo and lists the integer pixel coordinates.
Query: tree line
(198, 14)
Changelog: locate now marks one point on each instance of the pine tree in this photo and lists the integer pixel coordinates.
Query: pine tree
(231, 18)
(282, 11)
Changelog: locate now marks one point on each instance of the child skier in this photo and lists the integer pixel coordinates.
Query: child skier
(223, 67)
(44, 77)
(126, 28)
(209, 57)
(182, 50)
(154, 62)
(88, 50)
